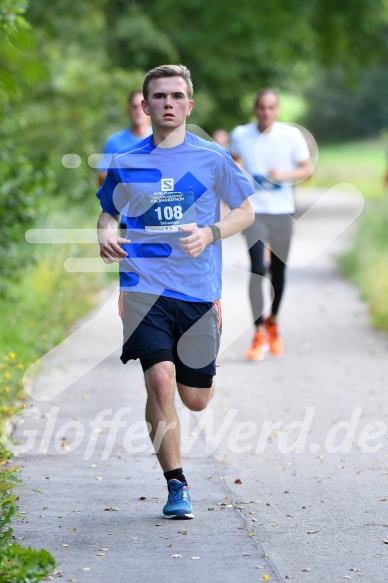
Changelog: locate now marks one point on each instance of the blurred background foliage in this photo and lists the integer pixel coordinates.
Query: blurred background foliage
(66, 69)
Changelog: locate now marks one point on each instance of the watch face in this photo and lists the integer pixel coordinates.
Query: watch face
(216, 233)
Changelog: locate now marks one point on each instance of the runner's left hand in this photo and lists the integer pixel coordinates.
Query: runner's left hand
(195, 242)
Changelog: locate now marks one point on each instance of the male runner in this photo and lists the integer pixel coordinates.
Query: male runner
(277, 157)
(170, 271)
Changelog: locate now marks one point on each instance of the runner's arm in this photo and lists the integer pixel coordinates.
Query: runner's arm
(235, 221)
(302, 172)
(110, 250)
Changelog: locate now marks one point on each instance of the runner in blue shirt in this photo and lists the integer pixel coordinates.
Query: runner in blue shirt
(170, 186)
(139, 128)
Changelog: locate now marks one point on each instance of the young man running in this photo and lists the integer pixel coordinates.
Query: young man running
(277, 157)
(170, 271)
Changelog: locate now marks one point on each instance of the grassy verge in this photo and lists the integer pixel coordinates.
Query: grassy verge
(36, 314)
(366, 264)
(363, 164)
(18, 564)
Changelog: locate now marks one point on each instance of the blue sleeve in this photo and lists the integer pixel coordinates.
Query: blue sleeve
(105, 194)
(232, 185)
(106, 158)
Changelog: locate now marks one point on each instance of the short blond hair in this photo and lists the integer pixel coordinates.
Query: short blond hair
(168, 71)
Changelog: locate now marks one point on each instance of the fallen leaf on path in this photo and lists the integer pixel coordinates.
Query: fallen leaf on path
(142, 498)
(238, 481)
(266, 577)
(251, 534)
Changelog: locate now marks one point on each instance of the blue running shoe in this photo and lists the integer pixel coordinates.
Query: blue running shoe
(179, 501)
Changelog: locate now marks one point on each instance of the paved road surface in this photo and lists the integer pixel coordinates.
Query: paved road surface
(281, 482)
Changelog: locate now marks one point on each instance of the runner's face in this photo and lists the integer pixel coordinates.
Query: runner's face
(266, 110)
(168, 103)
(135, 111)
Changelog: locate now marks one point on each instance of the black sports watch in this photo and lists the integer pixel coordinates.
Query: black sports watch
(216, 234)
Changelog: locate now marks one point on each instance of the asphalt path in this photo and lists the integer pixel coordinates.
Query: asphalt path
(287, 466)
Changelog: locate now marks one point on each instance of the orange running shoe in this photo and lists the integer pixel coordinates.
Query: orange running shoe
(275, 341)
(259, 347)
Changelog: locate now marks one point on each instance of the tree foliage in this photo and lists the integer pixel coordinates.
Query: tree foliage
(65, 72)
(231, 48)
(340, 111)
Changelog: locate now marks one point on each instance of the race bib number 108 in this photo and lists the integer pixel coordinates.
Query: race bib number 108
(169, 211)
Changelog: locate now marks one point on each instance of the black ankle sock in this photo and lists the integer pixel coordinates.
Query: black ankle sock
(175, 475)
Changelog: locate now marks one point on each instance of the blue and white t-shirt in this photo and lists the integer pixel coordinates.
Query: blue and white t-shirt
(282, 146)
(161, 189)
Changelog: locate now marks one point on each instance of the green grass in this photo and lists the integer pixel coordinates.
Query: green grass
(40, 308)
(363, 164)
(366, 264)
(18, 564)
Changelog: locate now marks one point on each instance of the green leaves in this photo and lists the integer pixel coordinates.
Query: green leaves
(19, 565)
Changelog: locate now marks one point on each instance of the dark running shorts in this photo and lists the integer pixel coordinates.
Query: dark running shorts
(159, 328)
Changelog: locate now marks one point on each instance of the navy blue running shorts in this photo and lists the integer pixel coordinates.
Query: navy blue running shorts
(160, 328)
